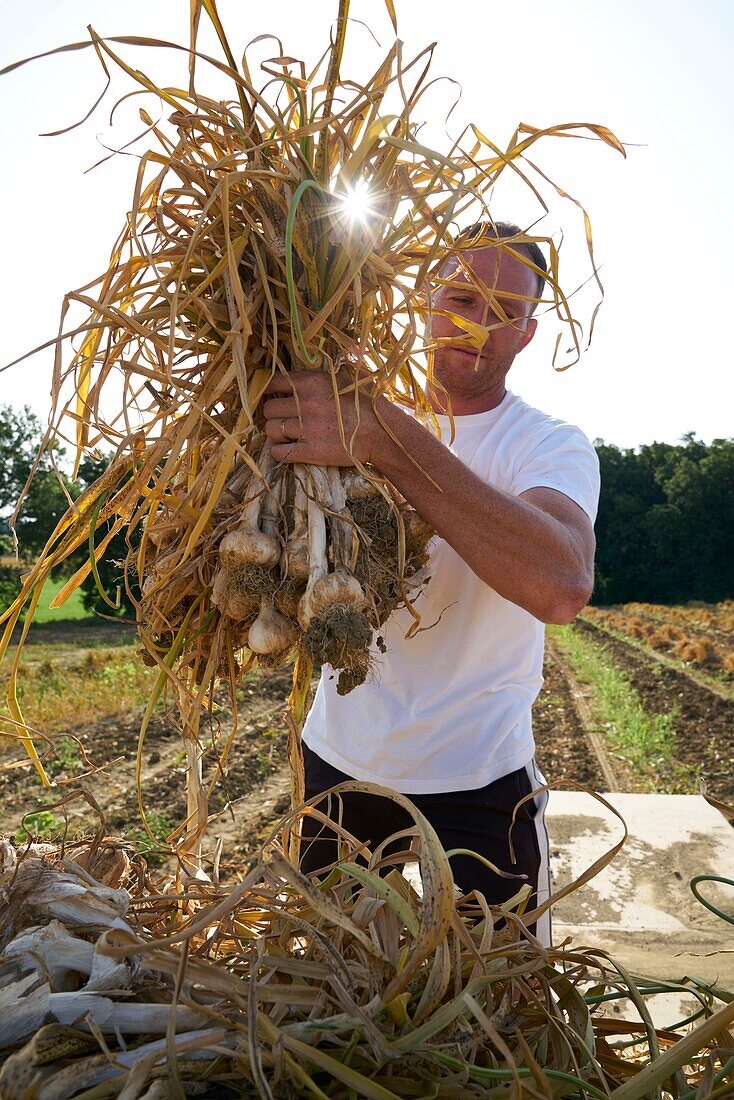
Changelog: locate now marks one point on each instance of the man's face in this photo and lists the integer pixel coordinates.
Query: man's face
(496, 283)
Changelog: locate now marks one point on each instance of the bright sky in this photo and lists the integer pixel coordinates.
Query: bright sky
(657, 72)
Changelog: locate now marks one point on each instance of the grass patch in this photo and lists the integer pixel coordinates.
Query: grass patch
(645, 742)
(73, 610)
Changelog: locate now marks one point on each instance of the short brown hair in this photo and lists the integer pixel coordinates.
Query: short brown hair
(499, 231)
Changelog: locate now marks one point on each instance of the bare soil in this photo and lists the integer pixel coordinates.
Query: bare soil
(79, 632)
(562, 749)
(704, 719)
(257, 753)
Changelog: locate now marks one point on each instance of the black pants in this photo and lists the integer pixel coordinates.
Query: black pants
(478, 820)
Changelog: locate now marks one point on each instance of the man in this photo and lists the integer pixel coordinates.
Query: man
(447, 719)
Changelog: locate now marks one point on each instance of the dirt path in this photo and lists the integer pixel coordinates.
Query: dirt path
(79, 633)
(246, 822)
(562, 748)
(611, 772)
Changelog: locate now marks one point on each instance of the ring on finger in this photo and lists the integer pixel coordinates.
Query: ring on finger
(282, 427)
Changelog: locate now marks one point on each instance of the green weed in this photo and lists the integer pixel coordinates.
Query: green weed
(646, 742)
(66, 756)
(160, 825)
(40, 825)
(263, 764)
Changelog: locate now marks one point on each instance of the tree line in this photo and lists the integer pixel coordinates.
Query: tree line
(47, 498)
(665, 529)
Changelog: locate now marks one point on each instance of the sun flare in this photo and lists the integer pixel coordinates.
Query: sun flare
(356, 201)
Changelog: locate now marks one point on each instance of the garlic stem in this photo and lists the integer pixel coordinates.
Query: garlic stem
(247, 544)
(233, 490)
(254, 506)
(325, 591)
(342, 532)
(296, 551)
(318, 499)
(273, 505)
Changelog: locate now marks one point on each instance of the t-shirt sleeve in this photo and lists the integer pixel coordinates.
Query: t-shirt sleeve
(563, 460)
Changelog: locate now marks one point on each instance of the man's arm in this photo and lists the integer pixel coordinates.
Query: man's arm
(536, 550)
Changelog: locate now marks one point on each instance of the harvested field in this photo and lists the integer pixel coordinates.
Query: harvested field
(255, 789)
(110, 745)
(704, 719)
(713, 618)
(700, 637)
(256, 784)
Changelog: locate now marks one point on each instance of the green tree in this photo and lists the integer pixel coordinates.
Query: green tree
(629, 491)
(44, 505)
(21, 435)
(666, 522)
(702, 492)
(9, 586)
(111, 568)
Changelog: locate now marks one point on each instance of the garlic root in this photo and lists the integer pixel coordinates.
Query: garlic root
(331, 612)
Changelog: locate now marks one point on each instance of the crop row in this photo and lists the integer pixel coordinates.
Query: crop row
(713, 618)
(690, 646)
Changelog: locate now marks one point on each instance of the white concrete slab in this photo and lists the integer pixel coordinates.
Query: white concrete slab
(640, 908)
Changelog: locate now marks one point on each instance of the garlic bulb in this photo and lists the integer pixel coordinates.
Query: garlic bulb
(248, 544)
(339, 588)
(287, 599)
(417, 529)
(230, 601)
(356, 485)
(271, 632)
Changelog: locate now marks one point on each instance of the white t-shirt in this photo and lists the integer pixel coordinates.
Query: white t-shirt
(449, 708)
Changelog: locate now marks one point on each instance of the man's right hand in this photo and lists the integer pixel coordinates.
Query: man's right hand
(302, 422)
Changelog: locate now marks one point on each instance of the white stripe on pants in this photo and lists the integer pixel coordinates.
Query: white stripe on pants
(543, 929)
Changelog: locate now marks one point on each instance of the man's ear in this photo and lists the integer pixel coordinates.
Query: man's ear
(530, 327)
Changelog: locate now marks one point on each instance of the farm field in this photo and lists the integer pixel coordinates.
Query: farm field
(680, 669)
(84, 690)
(698, 636)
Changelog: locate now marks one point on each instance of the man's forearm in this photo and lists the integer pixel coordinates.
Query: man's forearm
(526, 554)
(536, 550)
